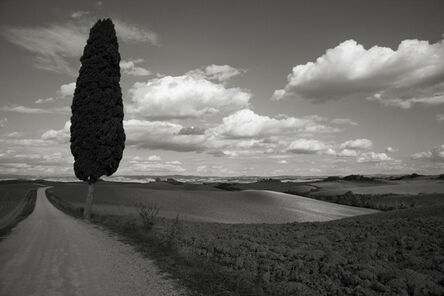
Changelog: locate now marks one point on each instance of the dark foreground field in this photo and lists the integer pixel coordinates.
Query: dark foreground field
(17, 201)
(397, 252)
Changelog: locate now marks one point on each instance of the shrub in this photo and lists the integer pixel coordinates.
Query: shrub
(148, 214)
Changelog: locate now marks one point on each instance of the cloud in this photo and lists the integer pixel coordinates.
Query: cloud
(154, 158)
(413, 73)
(440, 117)
(53, 46)
(283, 161)
(66, 91)
(60, 136)
(130, 68)
(435, 99)
(14, 135)
(161, 135)
(436, 154)
(47, 100)
(347, 153)
(304, 146)
(220, 73)
(28, 110)
(192, 130)
(373, 157)
(358, 144)
(130, 33)
(57, 47)
(79, 14)
(184, 96)
(344, 121)
(3, 122)
(391, 150)
(246, 123)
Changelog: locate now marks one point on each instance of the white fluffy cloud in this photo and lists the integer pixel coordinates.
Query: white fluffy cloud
(347, 153)
(436, 154)
(373, 157)
(358, 144)
(246, 123)
(307, 146)
(184, 96)
(413, 73)
(59, 136)
(130, 68)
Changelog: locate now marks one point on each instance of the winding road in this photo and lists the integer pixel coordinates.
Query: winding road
(51, 253)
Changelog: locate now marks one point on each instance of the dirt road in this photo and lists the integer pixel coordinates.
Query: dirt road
(51, 253)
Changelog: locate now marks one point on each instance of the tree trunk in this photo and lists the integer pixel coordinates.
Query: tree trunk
(89, 201)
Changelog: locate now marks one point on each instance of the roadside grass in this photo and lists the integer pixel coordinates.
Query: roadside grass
(16, 203)
(390, 253)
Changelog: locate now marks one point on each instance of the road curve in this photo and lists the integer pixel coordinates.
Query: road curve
(51, 253)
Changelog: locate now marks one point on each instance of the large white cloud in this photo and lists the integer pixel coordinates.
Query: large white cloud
(246, 123)
(414, 73)
(183, 96)
(307, 146)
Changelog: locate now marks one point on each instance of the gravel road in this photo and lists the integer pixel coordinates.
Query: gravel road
(51, 253)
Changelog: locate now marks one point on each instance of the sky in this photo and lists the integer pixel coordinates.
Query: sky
(230, 88)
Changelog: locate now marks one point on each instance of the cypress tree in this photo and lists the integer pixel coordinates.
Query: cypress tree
(97, 134)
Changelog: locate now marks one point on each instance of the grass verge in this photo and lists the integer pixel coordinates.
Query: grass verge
(23, 209)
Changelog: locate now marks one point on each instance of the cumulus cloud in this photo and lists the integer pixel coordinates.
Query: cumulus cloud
(220, 73)
(307, 146)
(436, 154)
(411, 74)
(358, 144)
(246, 123)
(373, 157)
(347, 153)
(130, 68)
(28, 110)
(60, 136)
(57, 47)
(184, 96)
(440, 117)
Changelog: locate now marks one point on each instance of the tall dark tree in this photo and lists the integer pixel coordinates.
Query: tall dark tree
(97, 134)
